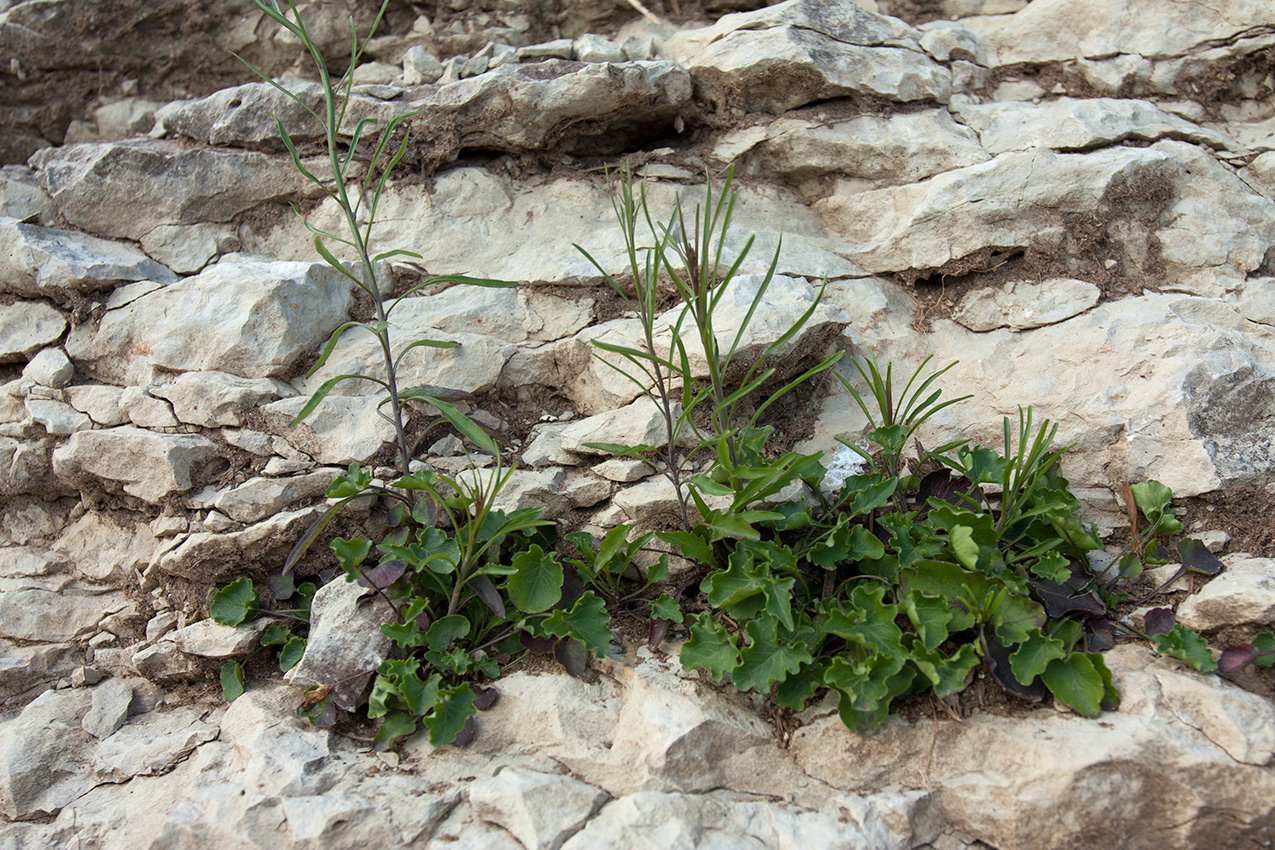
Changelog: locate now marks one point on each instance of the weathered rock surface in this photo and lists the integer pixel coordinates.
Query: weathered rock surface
(635, 743)
(1076, 199)
(1054, 758)
(345, 645)
(877, 151)
(1130, 356)
(53, 612)
(143, 463)
(213, 399)
(1058, 31)
(788, 55)
(26, 327)
(1026, 305)
(211, 557)
(41, 767)
(1243, 594)
(1068, 124)
(514, 107)
(527, 234)
(250, 318)
(40, 261)
(125, 190)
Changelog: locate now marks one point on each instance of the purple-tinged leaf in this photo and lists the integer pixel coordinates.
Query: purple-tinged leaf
(1060, 600)
(1081, 574)
(467, 733)
(573, 657)
(485, 697)
(1236, 657)
(1197, 558)
(1099, 635)
(1158, 621)
(659, 631)
(383, 574)
(572, 588)
(322, 713)
(537, 645)
(942, 484)
(997, 660)
(490, 596)
(281, 586)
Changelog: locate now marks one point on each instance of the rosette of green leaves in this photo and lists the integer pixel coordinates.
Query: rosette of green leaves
(475, 581)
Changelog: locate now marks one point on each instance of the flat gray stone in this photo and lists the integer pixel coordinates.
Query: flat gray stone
(44, 755)
(215, 399)
(50, 368)
(250, 318)
(26, 327)
(538, 809)
(210, 639)
(1022, 305)
(109, 710)
(42, 261)
(144, 464)
(790, 54)
(127, 189)
(346, 644)
(1243, 594)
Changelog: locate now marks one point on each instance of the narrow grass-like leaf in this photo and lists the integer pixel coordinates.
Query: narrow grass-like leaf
(335, 263)
(312, 534)
(326, 388)
(466, 426)
(296, 157)
(330, 345)
(424, 343)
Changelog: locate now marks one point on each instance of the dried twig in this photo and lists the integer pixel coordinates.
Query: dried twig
(647, 13)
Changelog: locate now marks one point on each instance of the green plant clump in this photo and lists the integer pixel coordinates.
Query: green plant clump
(895, 573)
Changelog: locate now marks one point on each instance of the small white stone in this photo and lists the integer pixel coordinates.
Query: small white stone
(594, 48)
(50, 368)
(218, 522)
(168, 526)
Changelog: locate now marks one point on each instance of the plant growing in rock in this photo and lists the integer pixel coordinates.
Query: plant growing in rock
(239, 602)
(481, 581)
(716, 414)
(357, 192)
(1237, 656)
(474, 586)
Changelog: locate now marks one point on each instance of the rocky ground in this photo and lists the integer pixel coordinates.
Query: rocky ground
(1073, 198)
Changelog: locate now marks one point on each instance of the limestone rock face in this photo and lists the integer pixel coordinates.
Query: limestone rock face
(251, 319)
(514, 107)
(1072, 124)
(143, 463)
(877, 151)
(1075, 199)
(1187, 349)
(125, 190)
(1244, 593)
(788, 55)
(1048, 766)
(41, 261)
(42, 760)
(1026, 305)
(26, 327)
(1056, 31)
(345, 645)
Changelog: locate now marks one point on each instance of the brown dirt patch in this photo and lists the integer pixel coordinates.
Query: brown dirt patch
(1245, 512)
(915, 12)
